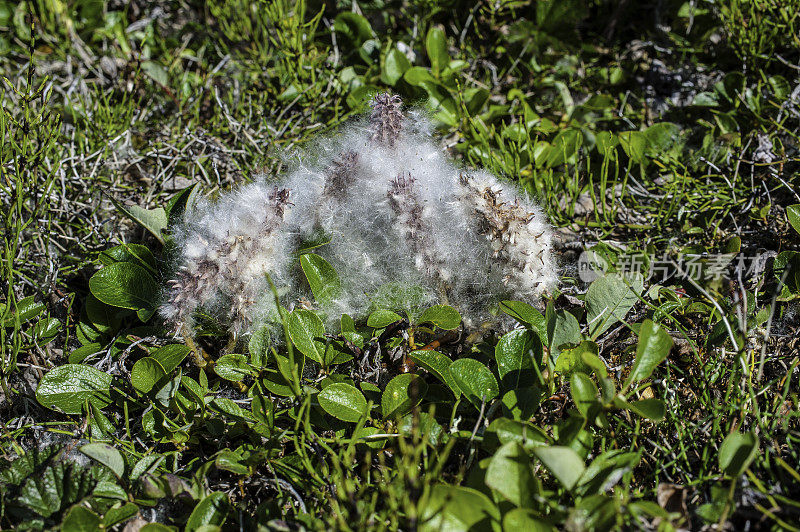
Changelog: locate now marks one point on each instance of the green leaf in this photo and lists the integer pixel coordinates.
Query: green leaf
(80, 519)
(562, 328)
(652, 349)
(474, 380)
(126, 285)
(527, 315)
(135, 253)
(106, 455)
(418, 76)
(522, 403)
(382, 318)
(354, 26)
(227, 407)
(436, 46)
(454, 508)
(322, 278)
(443, 316)
(343, 401)
(525, 519)
(232, 367)
(605, 142)
(606, 470)
(517, 353)
(46, 330)
(503, 430)
(146, 464)
(737, 452)
(116, 515)
(584, 391)
(793, 213)
(55, 488)
(170, 356)
(212, 510)
(572, 359)
(27, 309)
(510, 474)
(305, 330)
(155, 527)
(403, 392)
(609, 299)
(68, 387)
(438, 364)
(258, 347)
(653, 409)
(394, 67)
(564, 146)
(635, 145)
(156, 72)
(146, 373)
(562, 462)
(155, 220)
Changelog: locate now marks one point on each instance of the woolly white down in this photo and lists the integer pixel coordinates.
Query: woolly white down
(395, 211)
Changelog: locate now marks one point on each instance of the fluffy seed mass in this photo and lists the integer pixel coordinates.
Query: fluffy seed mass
(401, 224)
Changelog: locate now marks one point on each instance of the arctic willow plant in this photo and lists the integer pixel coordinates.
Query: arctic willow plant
(395, 212)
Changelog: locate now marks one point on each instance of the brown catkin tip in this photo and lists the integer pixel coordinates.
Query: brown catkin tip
(386, 120)
(408, 209)
(340, 175)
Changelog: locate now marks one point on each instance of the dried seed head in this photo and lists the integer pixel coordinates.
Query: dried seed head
(518, 234)
(386, 120)
(414, 227)
(340, 175)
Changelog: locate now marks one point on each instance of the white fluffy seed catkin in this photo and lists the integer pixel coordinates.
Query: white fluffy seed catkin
(394, 210)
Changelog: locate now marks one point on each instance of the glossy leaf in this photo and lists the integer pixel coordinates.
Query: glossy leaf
(653, 347)
(510, 474)
(306, 331)
(401, 394)
(106, 455)
(736, 453)
(452, 508)
(382, 318)
(126, 285)
(212, 510)
(438, 364)
(68, 387)
(146, 373)
(517, 353)
(343, 401)
(322, 278)
(562, 462)
(474, 380)
(443, 316)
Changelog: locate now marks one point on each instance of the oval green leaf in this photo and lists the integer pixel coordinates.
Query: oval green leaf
(343, 401)
(68, 387)
(475, 381)
(106, 455)
(438, 364)
(652, 349)
(402, 394)
(212, 510)
(382, 318)
(737, 452)
(322, 278)
(146, 373)
(305, 329)
(517, 353)
(443, 316)
(125, 285)
(562, 462)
